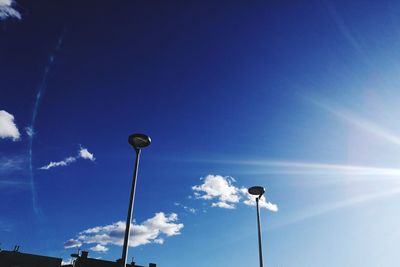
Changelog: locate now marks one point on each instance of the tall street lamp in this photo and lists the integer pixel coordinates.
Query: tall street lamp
(138, 141)
(258, 191)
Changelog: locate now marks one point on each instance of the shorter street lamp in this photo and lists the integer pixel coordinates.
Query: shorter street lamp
(138, 141)
(258, 191)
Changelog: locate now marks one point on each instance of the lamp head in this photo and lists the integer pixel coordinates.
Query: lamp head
(256, 190)
(139, 141)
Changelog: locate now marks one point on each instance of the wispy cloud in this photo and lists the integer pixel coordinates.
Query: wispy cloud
(83, 153)
(224, 194)
(13, 183)
(63, 162)
(186, 208)
(11, 163)
(7, 10)
(29, 131)
(153, 230)
(8, 129)
(72, 243)
(9, 167)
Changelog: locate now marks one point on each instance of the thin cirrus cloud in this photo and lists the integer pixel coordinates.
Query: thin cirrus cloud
(10, 164)
(83, 153)
(9, 167)
(7, 10)
(153, 230)
(8, 128)
(222, 193)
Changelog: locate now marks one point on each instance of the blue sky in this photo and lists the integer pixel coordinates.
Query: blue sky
(301, 98)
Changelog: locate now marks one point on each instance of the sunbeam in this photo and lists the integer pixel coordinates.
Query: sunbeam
(359, 122)
(321, 209)
(296, 167)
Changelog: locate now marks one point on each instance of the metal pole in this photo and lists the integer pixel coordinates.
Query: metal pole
(259, 233)
(130, 211)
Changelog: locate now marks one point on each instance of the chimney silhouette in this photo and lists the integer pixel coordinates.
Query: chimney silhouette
(84, 254)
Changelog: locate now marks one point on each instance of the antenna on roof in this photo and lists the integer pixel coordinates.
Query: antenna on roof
(76, 255)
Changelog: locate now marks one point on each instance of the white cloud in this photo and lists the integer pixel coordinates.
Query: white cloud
(7, 10)
(64, 162)
(224, 194)
(152, 230)
(223, 205)
(83, 153)
(251, 201)
(99, 248)
(72, 243)
(8, 129)
(220, 188)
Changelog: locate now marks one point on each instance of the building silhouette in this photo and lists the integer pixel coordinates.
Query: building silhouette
(83, 260)
(15, 258)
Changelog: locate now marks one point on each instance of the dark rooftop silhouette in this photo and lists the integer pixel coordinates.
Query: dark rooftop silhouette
(16, 258)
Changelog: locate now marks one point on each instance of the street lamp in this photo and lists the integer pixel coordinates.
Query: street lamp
(138, 141)
(258, 191)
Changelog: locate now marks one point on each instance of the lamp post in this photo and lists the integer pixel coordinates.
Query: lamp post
(138, 141)
(258, 191)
